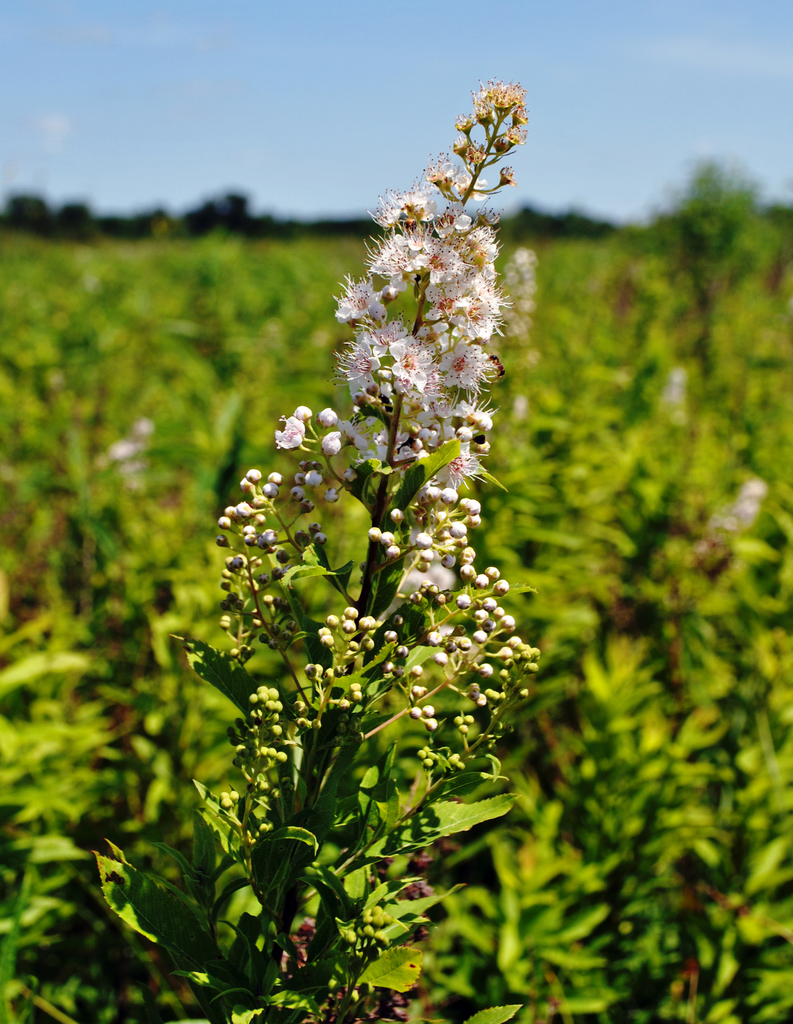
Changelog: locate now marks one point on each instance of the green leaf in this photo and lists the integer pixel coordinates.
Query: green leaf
(397, 968)
(443, 818)
(204, 850)
(294, 1001)
(364, 471)
(422, 470)
(223, 671)
(303, 572)
(491, 479)
(522, 588)
(8, 950)
(317, 653)
(386, 588)
(278, 854)
(495, 1015)
(339, 578)
(149, 1005)
(37, 665)
(151, 910)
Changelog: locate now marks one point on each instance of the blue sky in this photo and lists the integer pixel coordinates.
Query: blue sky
(315, 108)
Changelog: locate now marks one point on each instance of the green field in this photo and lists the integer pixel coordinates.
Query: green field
(647, 871)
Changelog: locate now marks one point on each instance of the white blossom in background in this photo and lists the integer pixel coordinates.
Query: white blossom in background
(743, 512)
(126, 454)
(674, 394)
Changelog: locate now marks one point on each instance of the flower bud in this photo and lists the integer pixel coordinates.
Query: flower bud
(449, 496)
(392, 551)
(275, 478)
(463, 601)
(313, 479)
(327, 418)
(492, 573)
(397, 515)
(428, 711)
(303, 413)
(415, 713)
(508, 622)
(474, 521)
(331, 495)
(501, 588)
(485, 671)
(331, 443)
(434, 639)
(270, 491)
(481, 581)
(467, 573)
(423, 541)
(350, 474)
(458, 530)
(375, 534)
(430, 724)
(440, 658)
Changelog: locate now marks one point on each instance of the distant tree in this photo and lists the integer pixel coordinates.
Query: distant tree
(29, 213)
(705, 236)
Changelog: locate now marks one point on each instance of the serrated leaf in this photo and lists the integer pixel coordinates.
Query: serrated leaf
(222, 671)
(303, 572)
(495, 1015)
(443, 818)
(397, 968)
(154, 912)
(522, 588)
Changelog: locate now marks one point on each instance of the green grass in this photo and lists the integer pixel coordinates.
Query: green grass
(650, 858)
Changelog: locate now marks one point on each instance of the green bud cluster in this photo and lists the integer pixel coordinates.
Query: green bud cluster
(368, 932)
(434, 760)
(258, 747)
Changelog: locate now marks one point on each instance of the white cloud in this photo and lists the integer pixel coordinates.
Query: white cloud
(722, 57)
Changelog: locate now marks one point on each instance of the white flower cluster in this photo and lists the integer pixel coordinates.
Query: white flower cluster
(419, 383)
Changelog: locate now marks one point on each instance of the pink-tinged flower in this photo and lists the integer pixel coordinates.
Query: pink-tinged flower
(356, 301)
(412, 363)
(443, 261)
(455, 473)
(292, 435)
(392, 258)
(465, 366)
(359, 361)
(480, 315)
(416, 205)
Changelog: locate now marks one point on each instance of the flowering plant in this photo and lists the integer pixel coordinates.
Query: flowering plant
(335, 907)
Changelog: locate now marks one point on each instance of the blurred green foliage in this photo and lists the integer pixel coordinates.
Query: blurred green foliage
(647, 872)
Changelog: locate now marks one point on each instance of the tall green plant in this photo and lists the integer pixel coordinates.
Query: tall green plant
(316, 836)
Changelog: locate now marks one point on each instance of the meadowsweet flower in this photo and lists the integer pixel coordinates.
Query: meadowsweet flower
(356, 301)
(292, 435)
